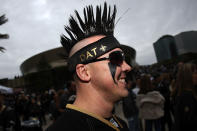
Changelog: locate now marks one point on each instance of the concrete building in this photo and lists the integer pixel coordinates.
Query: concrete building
(58, 57)
(49, 59)
(49, 69)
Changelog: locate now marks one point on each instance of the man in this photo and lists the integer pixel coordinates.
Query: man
(99, 71)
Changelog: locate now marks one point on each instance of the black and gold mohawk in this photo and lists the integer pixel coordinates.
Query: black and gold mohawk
(78, 30)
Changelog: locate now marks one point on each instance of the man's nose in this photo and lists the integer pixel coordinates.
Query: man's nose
(126, 67)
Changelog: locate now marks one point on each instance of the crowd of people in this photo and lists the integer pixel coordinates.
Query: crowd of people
(164, 98)
(28, 111)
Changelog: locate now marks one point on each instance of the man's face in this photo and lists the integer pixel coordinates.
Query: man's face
(102, 80)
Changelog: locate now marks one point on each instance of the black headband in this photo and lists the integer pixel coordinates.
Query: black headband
(92, 51)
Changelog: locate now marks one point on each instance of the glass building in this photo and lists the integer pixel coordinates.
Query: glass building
(169, 46)
(165, 48)
(186, 42)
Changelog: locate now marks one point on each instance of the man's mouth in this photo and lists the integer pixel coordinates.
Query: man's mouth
(122, 80)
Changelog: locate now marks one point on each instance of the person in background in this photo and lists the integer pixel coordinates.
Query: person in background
(194, 76)
(150, 104)
(164, 89)
(9, 119)
(72, 92)
(129, 106)
(185, 106)
(97, 64)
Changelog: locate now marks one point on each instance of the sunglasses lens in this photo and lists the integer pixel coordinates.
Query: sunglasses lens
(116, 57)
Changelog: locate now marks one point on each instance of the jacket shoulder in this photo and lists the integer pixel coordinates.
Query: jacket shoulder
(70, 121)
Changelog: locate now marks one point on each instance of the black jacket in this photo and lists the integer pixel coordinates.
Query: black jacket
(9, 119)
(185, 112)
(79, 120)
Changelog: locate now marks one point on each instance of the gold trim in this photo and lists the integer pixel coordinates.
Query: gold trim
(117, 121)
(93, 115)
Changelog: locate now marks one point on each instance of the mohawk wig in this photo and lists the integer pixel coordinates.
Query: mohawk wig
(101, 24)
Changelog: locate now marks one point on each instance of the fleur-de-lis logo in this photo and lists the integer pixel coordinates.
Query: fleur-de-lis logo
(103, 48)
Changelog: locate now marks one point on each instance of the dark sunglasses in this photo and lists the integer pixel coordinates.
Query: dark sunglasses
(116, 58)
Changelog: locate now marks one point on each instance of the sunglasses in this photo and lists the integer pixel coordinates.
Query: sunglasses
(116, 58)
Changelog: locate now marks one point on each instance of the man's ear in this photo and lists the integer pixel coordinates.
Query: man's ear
(82, 72)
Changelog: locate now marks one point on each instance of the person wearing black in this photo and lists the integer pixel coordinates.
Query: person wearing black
(163, 88)
(99, 69)
(130, 108)
(185, 106)
(9, 119)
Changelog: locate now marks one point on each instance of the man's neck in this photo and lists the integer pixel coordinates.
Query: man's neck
(94, 103)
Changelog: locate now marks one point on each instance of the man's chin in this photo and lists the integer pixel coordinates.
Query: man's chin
(125, 93)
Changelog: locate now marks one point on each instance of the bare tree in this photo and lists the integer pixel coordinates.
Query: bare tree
(3, 20)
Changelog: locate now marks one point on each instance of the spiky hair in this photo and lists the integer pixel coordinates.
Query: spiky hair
(101, 24)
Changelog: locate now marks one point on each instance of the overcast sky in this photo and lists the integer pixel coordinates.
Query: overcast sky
(35, 26)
